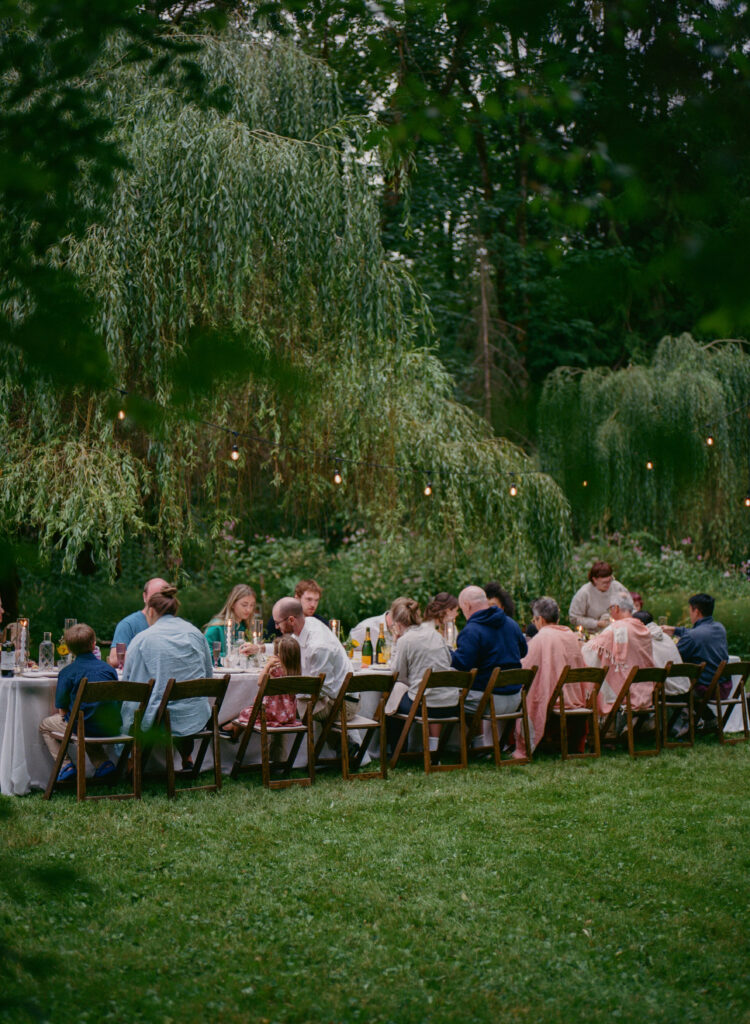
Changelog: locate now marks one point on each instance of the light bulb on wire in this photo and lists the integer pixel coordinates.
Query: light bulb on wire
(747, 500)
(428, 489)
(710, 440)
(649, 465)
(337, 477)
(513, 490)
(235, 453)
(121, 415)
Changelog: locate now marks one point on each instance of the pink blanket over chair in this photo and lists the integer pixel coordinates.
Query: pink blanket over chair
(623, 645)
(551, 649)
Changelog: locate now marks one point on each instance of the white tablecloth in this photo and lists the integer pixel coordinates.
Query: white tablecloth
(25, 762)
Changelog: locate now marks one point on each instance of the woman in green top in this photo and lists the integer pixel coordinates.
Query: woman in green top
(240, 607)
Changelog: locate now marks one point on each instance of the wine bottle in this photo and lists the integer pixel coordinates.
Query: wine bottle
(367, 649)
(8, 659)
(380, 658)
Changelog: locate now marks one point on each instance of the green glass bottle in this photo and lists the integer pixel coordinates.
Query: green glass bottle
(380, 658)
(367, 649)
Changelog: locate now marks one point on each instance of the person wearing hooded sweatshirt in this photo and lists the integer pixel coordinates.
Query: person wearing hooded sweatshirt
(490, 639)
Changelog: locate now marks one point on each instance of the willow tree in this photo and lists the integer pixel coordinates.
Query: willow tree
(239, 280)
(630, 447)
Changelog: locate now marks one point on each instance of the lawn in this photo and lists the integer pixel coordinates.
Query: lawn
(597, 891)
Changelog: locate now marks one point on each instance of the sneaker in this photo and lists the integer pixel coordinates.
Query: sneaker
(67, 772)
(104, 769)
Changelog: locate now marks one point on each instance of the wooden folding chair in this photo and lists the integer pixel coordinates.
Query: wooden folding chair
(91, 693)
(656, 676)
(486, 712)
(337, 723)
(558, 711)
(185, 690)
(421, 713)
(673, 704)
(270, 686)
(725, 705)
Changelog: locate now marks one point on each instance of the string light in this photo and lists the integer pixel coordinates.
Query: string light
(710, 440)
(428, 489)
(649, 465)
(513, 490)
(121, 415)
(747, 500)
(235, 453)
(585, 483)
(337, 477)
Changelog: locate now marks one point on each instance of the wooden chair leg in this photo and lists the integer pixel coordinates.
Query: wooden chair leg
(344, 746)
(81, 759)
(264, 750)
(463, 746)
(310, 748)
(525, 722)
(64, 744)
(426, 739)
(563, 730)
(691, 714)
(169, 756)
(719, 721)
(217, 751)
(629, 719)
(495, 733)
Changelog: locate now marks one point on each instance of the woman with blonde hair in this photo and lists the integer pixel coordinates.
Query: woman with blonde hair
(240, 607)
(420, 646)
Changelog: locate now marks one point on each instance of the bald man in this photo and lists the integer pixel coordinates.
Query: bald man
(489, 639)
(133, 624)
(320, 651)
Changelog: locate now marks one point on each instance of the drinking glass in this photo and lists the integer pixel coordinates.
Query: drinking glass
(216, 652)
(335, 625)
(663, 620)
(70, 622)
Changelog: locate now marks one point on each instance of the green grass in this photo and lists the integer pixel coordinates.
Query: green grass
(611, 890)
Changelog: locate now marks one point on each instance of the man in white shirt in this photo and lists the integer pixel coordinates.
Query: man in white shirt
(320, 651)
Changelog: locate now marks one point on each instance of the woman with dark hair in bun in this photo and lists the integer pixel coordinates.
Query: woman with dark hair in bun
(171, 648)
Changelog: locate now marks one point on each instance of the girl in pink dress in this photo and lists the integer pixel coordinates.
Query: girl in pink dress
(281, 709)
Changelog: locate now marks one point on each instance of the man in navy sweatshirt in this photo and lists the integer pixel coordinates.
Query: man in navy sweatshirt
(489, 639)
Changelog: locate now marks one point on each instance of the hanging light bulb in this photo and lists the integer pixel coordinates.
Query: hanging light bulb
(337, 477)
(121, 414)
(235, 453)
(513, 490)
(428, 489)
(710, 440)
(585, 483)
(747, 500)
(649, 465)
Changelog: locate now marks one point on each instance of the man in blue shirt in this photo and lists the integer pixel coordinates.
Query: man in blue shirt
(136, 622)
(102, 719)
(490, 639)
(705, 641)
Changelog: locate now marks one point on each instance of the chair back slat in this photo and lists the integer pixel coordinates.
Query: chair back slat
(448, 677)
(585, 675)
(647, 675)
(522, 677)
(684, 669)
(373, 681)
(187, 688)
(111, 689)
(306, 686)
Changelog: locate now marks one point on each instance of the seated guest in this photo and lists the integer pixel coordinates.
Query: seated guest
(551, 649)
(373, 624)
(637, 601)
(308, 593)
(170, 648)
(420, 646)
(320, 651)
(590, 605)
(490, 639)
(664, 652)
(443, 608)
(240, 607)
(705, 641)
(281, 708)
(134, 623)
(624, 644)
(500, 597)
(102, 719)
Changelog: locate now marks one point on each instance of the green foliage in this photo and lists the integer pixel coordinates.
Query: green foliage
(603, 426)
(471, 896)
(259, 222)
